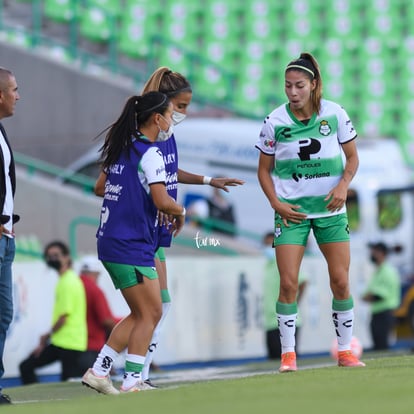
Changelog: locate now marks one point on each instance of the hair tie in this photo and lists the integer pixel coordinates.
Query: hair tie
(300, 67)
(302, 64)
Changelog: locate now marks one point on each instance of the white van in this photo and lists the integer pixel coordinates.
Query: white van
(380, 204)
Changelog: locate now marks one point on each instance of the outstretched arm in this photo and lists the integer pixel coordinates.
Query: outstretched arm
(186, 177)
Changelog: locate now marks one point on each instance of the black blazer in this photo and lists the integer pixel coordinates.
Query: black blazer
(12, 172)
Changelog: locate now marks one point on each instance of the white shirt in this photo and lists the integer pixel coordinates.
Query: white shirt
(8, 202)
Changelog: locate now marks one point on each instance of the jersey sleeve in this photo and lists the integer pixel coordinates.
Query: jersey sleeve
(346, 130)
(152, 164)
(267, 142)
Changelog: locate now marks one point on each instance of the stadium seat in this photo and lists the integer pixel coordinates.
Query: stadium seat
(138, 26)
(259, 17)
(181, 23)
(221, 25)
(112, 7)
(174, 57)
(61, 11)
(342, 19)
(96, 25)
(211, 82)
(254, 87)
(18, 37)
(301, 21)
(381, 19)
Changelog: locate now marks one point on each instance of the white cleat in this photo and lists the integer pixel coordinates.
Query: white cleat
(99, 384)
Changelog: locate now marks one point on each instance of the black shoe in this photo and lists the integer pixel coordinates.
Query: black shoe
(150, 385)
(5, 399)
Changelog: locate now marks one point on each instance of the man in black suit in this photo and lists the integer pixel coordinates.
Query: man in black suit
(8, 98)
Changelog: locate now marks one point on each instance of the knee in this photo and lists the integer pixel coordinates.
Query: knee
(156, 314)
(340, 288)
(288, 289)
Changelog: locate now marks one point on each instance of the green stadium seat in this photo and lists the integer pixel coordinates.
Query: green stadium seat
(222, 23)
(300, 20)
(96, 25)
(261, 9)
(211, 82)
(255, 86)
(138, 26)
(382, 19)
(374, 119)
(217, 52)
(62, 11)
(249, 99)
(180, 23)
(342, 19)
(17, 36)
(113, 7)
(403, 70)
(261, 22)
(173, 57)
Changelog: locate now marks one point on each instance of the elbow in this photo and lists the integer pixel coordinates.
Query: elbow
(98, 190)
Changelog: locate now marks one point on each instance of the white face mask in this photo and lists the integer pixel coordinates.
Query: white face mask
(164, 135)
(178, 117)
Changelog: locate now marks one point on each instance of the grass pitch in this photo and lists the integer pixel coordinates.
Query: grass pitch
(385, 385)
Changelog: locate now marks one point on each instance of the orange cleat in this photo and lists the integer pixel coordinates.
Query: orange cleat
(348, 359)
(288, 363)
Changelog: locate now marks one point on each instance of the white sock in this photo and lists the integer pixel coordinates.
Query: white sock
(343, 322)
(103, 364)
(131, 379)
(154, 341)
(133, 367)
(287, 329)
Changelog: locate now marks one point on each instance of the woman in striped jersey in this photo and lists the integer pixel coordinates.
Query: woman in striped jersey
(305, 177)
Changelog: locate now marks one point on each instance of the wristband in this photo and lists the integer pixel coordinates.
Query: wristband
(207, 180)
(184, 212)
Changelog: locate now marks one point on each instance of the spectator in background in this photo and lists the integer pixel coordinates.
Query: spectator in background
(99, 317)
(384, 294)
(214, 213)
(8, 98)
(271, 284)
(67, 338)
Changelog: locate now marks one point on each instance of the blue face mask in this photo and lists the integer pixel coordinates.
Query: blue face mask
(269, 253)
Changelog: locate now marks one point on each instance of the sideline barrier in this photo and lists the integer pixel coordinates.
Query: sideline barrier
(216, 313)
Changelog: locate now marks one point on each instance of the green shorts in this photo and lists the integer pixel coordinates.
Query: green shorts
(326, 230)
(125, 275)
(160, 254)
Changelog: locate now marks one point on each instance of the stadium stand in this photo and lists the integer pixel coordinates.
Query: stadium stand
(234, 51)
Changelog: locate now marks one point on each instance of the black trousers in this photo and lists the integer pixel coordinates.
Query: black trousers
(69, 360)
(381, 327)
(87, 359)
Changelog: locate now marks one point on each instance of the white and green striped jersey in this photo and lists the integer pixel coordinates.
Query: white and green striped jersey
(308, 158)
